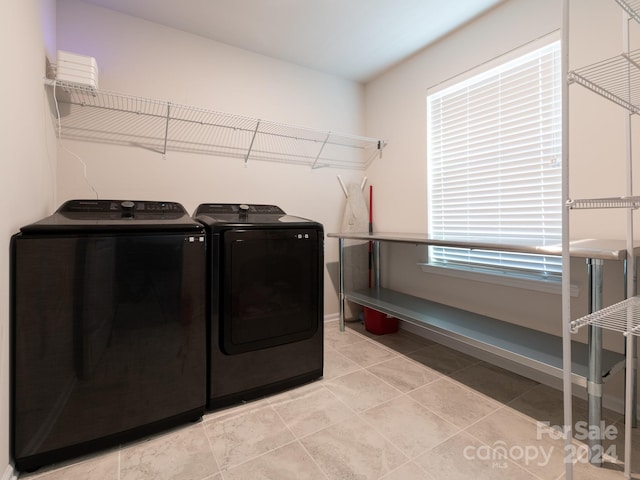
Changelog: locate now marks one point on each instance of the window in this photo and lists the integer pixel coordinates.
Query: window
(494, 163)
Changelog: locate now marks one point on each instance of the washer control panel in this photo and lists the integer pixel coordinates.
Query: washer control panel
(126, 210)
(125, 206)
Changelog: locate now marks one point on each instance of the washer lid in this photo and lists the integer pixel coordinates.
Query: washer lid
(114, 215)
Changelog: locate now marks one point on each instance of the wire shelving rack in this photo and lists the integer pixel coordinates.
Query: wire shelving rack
(90, 114)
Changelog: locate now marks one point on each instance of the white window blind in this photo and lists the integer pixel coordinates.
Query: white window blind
(494, 169)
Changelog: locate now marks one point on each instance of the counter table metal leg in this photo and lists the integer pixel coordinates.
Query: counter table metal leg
(376, 263)
(341, 283)
(594, 379)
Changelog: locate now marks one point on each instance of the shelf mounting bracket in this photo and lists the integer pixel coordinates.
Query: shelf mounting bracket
(326, 139)
(166, 131)
(253, 138)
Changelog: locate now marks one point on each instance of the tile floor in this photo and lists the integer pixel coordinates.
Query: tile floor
(392, 407)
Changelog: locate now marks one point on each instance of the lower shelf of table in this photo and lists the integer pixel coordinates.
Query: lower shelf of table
(534, 349)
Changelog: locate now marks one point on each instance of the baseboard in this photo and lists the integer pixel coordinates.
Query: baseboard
(616, 404)
(331, 317)
(9, 473)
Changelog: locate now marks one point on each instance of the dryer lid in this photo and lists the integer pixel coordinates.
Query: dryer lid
(245, 215)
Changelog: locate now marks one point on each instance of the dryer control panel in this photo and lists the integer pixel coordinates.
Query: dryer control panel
(238, 208)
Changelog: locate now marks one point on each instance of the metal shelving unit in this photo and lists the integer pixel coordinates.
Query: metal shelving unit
(618, 80)
(96, 115)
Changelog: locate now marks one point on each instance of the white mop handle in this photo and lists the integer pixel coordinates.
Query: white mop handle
(344, 188)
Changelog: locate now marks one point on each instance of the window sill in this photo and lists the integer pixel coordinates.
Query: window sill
(551, 285)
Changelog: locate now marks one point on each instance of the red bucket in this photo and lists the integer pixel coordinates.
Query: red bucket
(378, 322)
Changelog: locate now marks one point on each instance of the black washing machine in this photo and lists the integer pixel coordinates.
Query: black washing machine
(265, 298)
(107, 327)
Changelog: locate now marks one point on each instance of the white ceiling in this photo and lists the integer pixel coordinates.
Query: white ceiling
(354, 39)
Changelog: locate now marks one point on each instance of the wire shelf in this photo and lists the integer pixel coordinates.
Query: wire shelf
(608, 202)
(621, 317)
(108, 117)
(616, 79)
(632, 7)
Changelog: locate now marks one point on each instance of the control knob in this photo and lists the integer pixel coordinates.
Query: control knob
(127, 208)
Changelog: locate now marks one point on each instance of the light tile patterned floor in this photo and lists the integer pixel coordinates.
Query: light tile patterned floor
(391, 407)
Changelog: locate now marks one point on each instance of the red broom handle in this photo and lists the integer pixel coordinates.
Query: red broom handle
(370, 232)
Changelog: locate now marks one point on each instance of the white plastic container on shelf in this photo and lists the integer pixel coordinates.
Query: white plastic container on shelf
(76, 68)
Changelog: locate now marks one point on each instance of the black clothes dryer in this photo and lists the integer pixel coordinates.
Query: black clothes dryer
(107, 327)
(265, 300)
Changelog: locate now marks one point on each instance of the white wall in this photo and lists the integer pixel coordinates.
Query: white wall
(395, 104)
(27, 169)
(141, 58)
